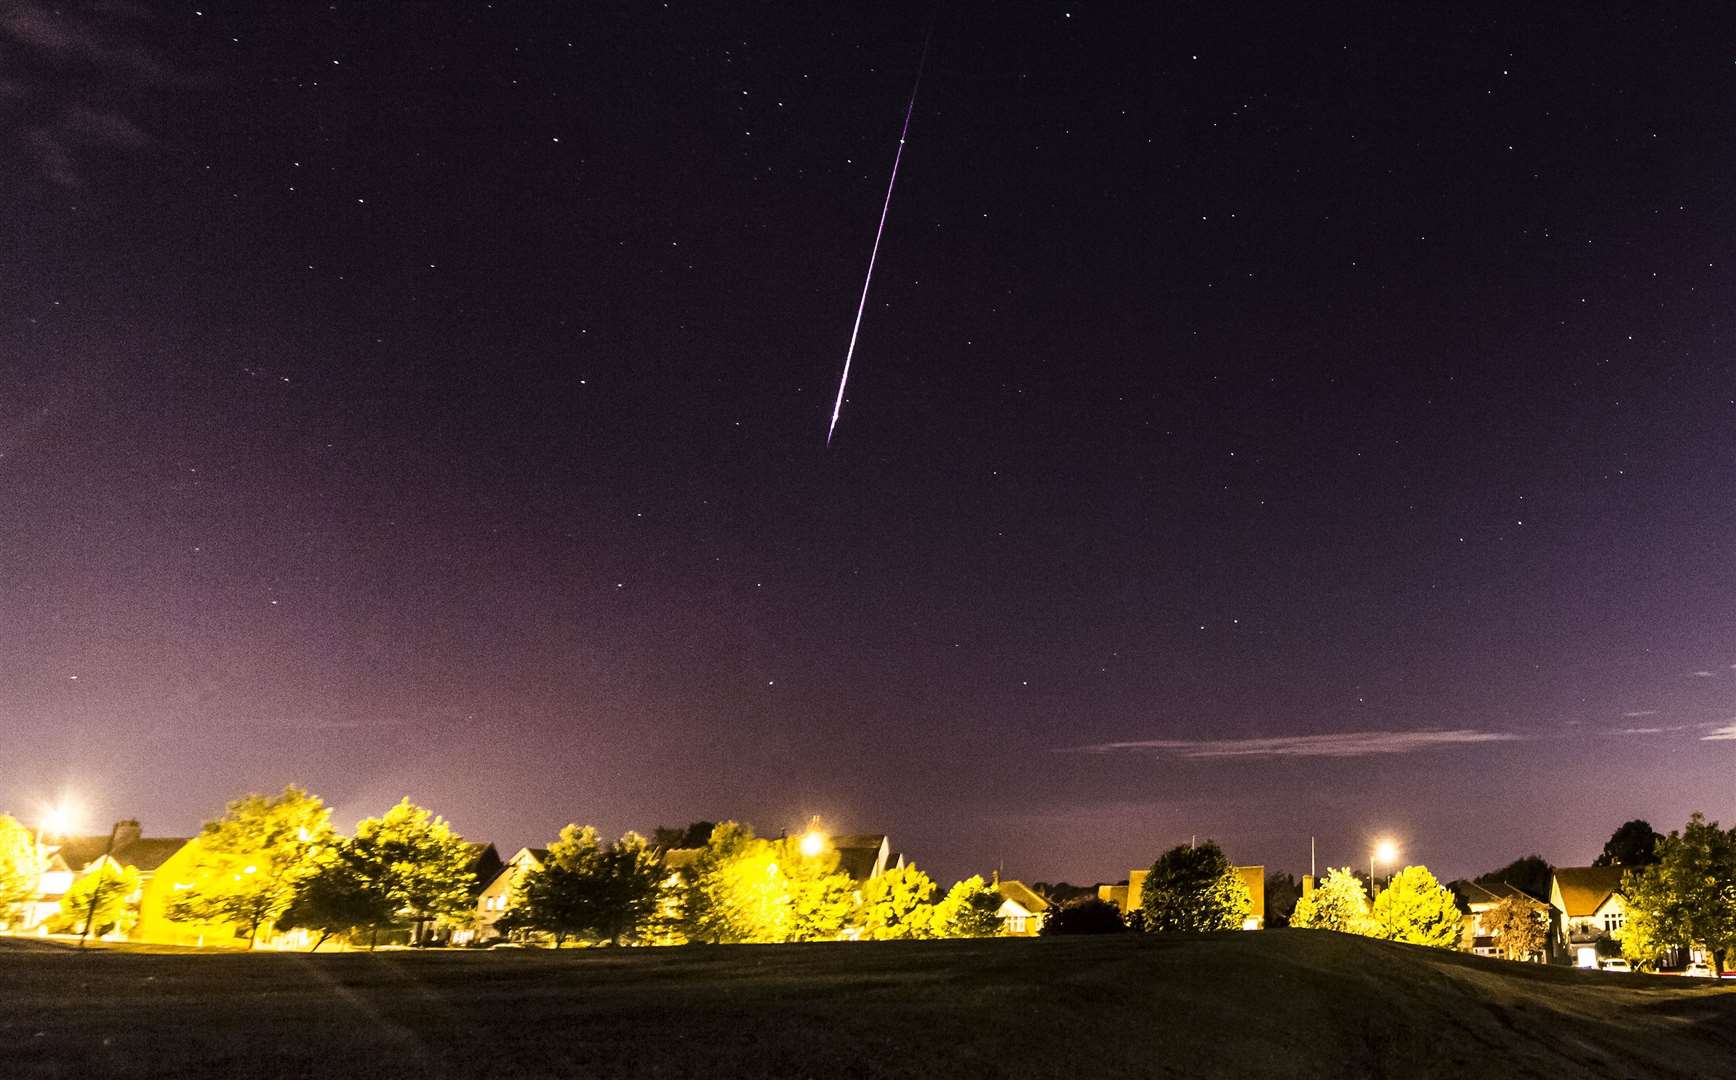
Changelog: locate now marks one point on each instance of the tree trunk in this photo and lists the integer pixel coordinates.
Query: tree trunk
(320, 941)
(373, 937)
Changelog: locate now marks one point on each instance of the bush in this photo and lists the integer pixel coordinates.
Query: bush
(1088, 915)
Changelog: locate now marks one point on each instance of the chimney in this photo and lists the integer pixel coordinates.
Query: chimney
(126, 832)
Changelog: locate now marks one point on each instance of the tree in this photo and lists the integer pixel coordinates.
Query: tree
(414, 859)
(897, 905)
(1633, 845)
(110, 910)
(1282, 893)
(970, 909)
(1530, 874)
(250, 861)
(1084, 915)
(821, 897)
(590, 890)
(340, 896)
(1686, 898)
(1338, 903)
(1519, 930)
(1194, 889)
(734, 891)
(1416, 909)
(20, 867)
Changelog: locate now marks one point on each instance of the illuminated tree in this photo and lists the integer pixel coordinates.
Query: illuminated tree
(970, 909)
(20, 867)
(413, 858)
(111, 885)
(1416, 909)
(897, 904)
(1687, 898)
(1194, 889)
(1339, 903)
(821, 897)
(735, 890)
(250, 861)
(1519, 930)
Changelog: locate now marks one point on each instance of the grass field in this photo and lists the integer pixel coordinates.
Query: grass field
(1268, 1004)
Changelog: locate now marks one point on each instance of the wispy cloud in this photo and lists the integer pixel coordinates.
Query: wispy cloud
(1638, 713)
(1348, 744)
(1726, 733)
(1701, 675)
(72, 73)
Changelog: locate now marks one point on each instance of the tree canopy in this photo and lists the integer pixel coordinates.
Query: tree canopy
(897, 904)
(249, 862)
(1194, 889)
(1339, 902)
(970, 909)
(1633, 845)
(1686, 898)
(20, 866)
(1084, 915)
(110, 886)
(1530, 874)
(590, 890)
(1518, 929)
(1417, 909)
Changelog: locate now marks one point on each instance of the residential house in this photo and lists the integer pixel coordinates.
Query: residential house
(1588, 907)
(865, 856)
(1129, 896)
(1022, 910)
(496, 895)
(1476, 900)
(75, 856)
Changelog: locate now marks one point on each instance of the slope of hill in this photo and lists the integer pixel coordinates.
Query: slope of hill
(1234, 1005)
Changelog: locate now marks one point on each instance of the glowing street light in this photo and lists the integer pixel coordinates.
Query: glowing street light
(813, 842)
(57, 821)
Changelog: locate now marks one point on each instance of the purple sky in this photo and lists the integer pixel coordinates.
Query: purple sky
(1259, 430)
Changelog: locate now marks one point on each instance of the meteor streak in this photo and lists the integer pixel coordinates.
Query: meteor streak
(862, 305)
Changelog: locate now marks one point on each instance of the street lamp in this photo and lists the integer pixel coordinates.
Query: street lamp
(1385, 851)
(813, 842)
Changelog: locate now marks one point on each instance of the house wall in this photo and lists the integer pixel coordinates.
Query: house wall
(155, 893)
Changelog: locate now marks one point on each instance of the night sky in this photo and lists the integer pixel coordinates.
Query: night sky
(1266, 425)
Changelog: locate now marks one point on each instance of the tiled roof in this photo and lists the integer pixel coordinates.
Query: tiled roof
(1584, 888)
(146, 853)
(1023, 895)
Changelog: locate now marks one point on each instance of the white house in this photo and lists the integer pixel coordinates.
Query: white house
(1588, 908)
(1022, 911)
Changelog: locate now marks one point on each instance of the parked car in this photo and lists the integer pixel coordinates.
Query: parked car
(1615, 964)
(1699, 969)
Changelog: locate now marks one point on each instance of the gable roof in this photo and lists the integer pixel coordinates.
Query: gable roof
(1584, 889)
(146, 853)
(1472, 893)
(1023, 895)
(859, 854)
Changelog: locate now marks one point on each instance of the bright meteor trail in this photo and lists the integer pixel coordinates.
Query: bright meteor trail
(868, 279)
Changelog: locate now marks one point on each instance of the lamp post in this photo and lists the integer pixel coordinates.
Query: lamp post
(1383, 851)
(96, 887)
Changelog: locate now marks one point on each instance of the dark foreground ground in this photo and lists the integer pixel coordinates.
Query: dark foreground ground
(1269, 1004)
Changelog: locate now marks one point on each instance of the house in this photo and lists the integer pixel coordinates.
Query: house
(865, 856)
(1588, 908)
(1478, 899)
(496, 895)
(75, 856)
(1129, 896)
(1022, 911)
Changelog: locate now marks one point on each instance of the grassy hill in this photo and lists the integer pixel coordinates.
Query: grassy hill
(1232, 1005)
